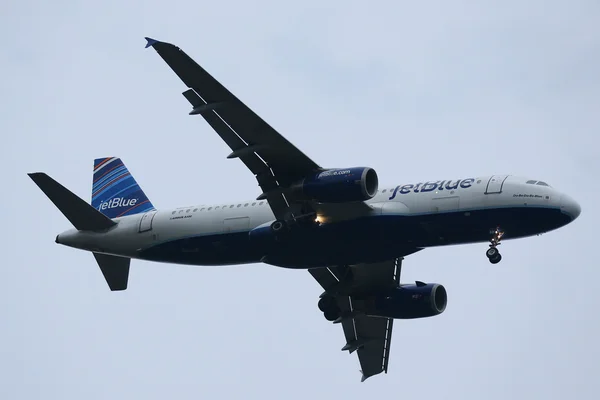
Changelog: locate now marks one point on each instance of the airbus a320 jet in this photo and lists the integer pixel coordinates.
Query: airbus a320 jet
(338, 223)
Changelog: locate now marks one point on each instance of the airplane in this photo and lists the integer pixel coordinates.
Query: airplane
(349, 233)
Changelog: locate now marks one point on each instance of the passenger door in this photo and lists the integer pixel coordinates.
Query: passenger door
(495, 184)
(146, 221)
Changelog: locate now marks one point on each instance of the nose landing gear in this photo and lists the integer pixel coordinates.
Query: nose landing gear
(492, 253)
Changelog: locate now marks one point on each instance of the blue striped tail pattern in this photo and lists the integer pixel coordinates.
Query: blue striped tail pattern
(115, 193)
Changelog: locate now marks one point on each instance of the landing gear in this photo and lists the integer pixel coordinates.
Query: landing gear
(492, 253)
(329, 307)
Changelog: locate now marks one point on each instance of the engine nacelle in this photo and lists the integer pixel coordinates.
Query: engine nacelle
(341, 185)
(412, 301)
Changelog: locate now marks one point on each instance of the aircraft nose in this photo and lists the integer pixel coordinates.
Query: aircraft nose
(570, 207)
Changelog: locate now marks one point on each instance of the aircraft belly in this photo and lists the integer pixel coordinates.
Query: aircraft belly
(364, 240)
(474, 225)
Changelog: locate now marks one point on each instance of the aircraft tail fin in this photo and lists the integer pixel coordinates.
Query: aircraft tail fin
(83, 216)
(115, 192)
(115, 270)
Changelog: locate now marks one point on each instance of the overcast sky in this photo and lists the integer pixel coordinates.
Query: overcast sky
(429, 91)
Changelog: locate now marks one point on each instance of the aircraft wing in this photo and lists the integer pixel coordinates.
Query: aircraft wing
(369, 336)
(275, 162)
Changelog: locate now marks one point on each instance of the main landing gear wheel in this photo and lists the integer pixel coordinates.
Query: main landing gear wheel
(492, 253)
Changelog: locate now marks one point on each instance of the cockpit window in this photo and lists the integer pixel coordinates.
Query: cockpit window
(534, 182)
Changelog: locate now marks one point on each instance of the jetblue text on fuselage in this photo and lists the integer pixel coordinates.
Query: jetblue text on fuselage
(431, 186)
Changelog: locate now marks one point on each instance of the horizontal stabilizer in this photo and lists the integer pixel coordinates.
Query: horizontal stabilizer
(115, 270)
(83, 216)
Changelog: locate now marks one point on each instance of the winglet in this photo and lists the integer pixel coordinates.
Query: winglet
(151, 42)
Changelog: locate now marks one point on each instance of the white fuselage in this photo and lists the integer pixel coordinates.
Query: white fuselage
(135, 233)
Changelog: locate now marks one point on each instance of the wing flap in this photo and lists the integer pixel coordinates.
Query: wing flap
(254, 164)
(374, 354)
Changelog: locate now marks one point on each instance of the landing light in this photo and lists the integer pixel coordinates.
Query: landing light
(318, 219)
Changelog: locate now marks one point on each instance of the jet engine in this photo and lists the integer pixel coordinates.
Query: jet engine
(411, 301)
(341, 185)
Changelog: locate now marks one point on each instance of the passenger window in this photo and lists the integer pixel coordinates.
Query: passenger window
(246, 205)
(239, 205)
(253, 204)
(173, 212)
(216, 208)
(187, 211)
(231, 206)
(531, 182)
(261, 203)
(202, 209)
(195, 209)
(384, 190)
(209, 208)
